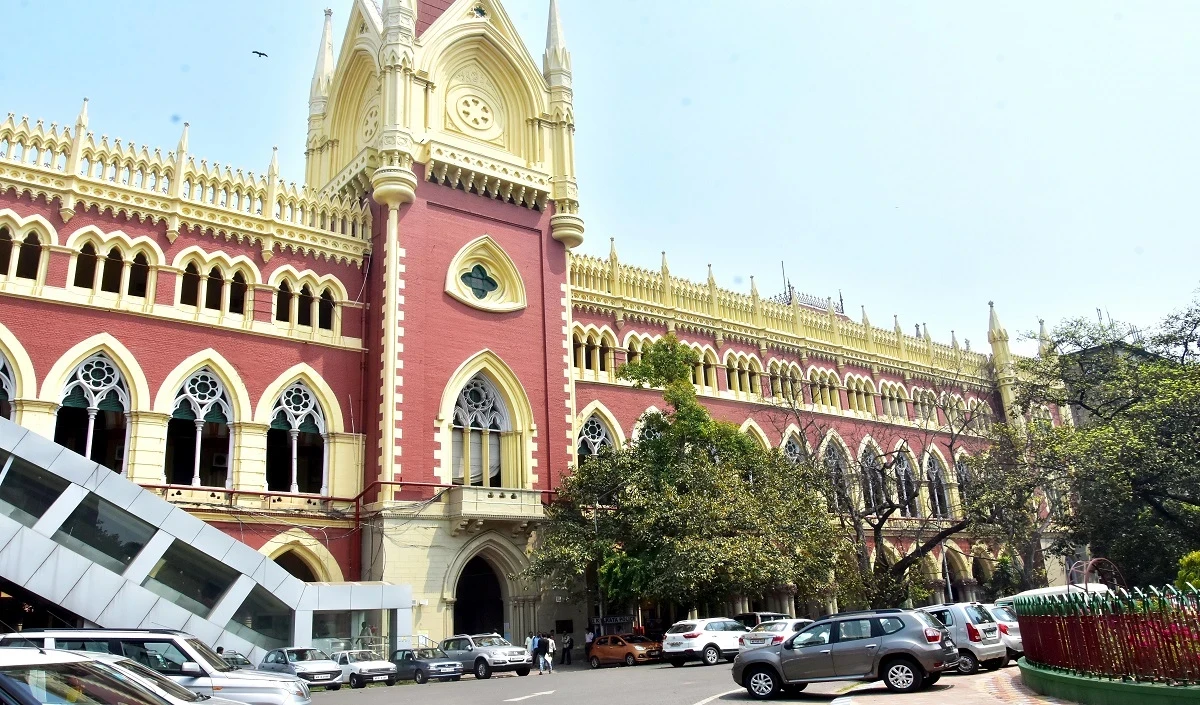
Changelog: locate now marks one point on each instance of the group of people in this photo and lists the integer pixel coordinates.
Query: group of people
(544, 647)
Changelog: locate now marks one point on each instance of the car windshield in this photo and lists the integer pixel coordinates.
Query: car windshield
(427, 654)
(681, 628)
(491, 641)
(235, 659)
(1002, 614)
(358, 656)
(636, 639)
(929, 620)
(301, 655)
(160, 681)
(86, 683)
(771, 627)
(977, 614)
(211, 658)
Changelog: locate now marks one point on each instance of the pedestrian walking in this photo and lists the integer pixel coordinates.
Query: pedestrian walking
(568, 644)
(534, 643)
(543, 648)
(529, 643)
(551, 648)
(587, 642)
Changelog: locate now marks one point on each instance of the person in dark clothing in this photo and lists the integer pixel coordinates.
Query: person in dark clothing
(543, 648)
(567, 645)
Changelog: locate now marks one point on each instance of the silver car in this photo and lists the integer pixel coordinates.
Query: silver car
(1010, 629)
(485, 654)
(177, 655)
(306, 663)
(361, 667)
(976, 633)
(125, 668)
(771, 633)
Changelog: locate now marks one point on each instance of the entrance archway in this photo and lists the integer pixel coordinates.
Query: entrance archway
(479, 599)
(293, 563)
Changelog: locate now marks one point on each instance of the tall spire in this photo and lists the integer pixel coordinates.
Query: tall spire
(183, 142)
(1045, 346)
(556, 59)
(323, 73)
(996, 332)
(81, 121)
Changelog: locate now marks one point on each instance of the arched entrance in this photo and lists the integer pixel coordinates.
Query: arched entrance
(479, 599)
(293, 563)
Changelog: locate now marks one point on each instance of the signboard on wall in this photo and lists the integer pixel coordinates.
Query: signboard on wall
(620, 619)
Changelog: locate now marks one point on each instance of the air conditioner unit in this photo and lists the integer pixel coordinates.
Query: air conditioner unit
(220, 460)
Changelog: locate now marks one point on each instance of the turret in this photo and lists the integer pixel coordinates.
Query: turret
(318, 94)
(556, 61)
(565, 225)
(1045, 345)
(1006, 377)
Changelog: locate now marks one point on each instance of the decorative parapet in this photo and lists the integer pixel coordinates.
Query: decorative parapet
(493, 178)
(633, 293)
(76, 168)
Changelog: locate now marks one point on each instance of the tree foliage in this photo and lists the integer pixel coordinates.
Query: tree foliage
(693, 511)
(1189, 571)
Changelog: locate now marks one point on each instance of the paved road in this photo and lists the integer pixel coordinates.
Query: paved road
(664, 685)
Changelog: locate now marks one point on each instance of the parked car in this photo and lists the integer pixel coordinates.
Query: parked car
(907, 649)
(485, 654)
(39, 677)
(360, 667)
(976, 634)
(308, 664)
(627, 649)
(126, 668)
(423, 665)
(177, 655)
(704, 640)
(753, 619)
(1010, 629)
(234, 658)
(770, 633)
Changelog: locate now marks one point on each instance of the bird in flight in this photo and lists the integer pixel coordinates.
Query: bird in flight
(259, 54)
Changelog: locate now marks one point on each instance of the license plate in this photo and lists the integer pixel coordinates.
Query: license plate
(653, 653)
(757, 641)
(379, 678)
(321, 677)
(675, 643)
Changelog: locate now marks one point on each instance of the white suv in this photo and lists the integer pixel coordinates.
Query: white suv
(704, 640)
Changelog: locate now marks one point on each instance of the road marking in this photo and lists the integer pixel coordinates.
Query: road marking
(708, 700)
(847, 700)
(526, 697)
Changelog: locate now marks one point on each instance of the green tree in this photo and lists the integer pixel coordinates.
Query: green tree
(1189, 571)
(693, 512)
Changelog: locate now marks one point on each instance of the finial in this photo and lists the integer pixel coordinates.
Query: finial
(896, 321)
(926, 327)
(273, 171)
(82, 120)
(612, 248)
(996, 331)
(953, 340)
(865, 321)
(753, 288)
(183, 141)
(323, 73)
(557, 58)
(664, 260)
(1044, 343)
(329, 12)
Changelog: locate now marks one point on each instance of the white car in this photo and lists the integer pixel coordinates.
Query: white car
(360, 667)
(126, 668)
(39, 676)
(771, 633)
(705, 640)
(1010, 629)
(306, 663)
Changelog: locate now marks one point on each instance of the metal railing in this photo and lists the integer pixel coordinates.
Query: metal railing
(1151, 635)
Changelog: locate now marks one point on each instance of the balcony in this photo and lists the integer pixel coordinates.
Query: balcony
(471, 507)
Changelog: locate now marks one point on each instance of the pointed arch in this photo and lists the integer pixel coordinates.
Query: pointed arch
(483, 276)
(325, 396)
(794, 444)
(751, 428)
(522, 430)
(960, 569)
(239, 395)
(207, 260)
(641, 421)
(314, 553)
(59, 374)
(104, 241)
(20, 226)
(299, 278)
(20, 365)
(506, 558)
(598, 408)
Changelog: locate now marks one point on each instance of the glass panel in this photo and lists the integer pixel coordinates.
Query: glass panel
(27, 491)
(104, 533)
(456, 457)
(854, 629)
(262, 620)
(76, 684)
(190, 578)
(476, 457)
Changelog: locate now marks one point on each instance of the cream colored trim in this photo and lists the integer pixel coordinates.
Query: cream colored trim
(23, 225)
(164, 402)
(130, 246)
(56, 378)
(866, 442)
(24, 384)
(485, 251)
(637, 425)
(751, 428)
(216, 257)
(609, 419)
(324, 393)
(297, 278)
(314, 554)
(506, 559)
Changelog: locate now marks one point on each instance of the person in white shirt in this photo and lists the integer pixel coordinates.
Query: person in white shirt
(550, 652)
(529, 642)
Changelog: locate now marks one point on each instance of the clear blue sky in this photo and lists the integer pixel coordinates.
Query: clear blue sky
(922, 157)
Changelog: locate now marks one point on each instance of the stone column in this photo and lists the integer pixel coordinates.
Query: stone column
(148, 447)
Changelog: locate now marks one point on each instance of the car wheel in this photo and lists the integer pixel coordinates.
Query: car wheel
(355, 681)
(458, 678)
(520, 672)
(675, 662)
(932, 678)
(630, 660)
(995, 664)
(594, 662)
(420, 678)
(482, 670)
(967, 663)
(903, 676)
(712, 655)
(793, 687)
(390, 681)
(334, 686)
(761, 683)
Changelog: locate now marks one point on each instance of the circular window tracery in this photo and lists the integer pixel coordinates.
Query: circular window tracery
(593, 437)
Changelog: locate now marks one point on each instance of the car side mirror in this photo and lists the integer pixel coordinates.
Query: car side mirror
(190, 668)
(788, 644)
(470, 648)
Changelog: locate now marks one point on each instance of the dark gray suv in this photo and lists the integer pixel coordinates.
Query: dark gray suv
(906, 649)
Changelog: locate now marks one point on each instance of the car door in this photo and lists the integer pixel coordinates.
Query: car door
(617, 648)
(854, 648)
(600, 648)
(457, 650)
(166, 658)
(730, 635)
(810, 655)
(946, 617)
(406, 664)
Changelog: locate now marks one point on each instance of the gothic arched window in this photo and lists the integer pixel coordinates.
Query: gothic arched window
(835, 466)
(480, 425)
(93, 418)
(7, 389)
(85, 267)
(297, 443)
(939, 498)
(199, 435)
(29, 258)
(793, 449)
(872, 480)
(593, 438)
(906, 486)
(962, 473)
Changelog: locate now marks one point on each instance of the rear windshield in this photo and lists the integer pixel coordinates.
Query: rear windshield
(1003, 614)
(929, 620)
(977, 614)
(771, 627)
(636, 639)
(681, 628)
(491, 641)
